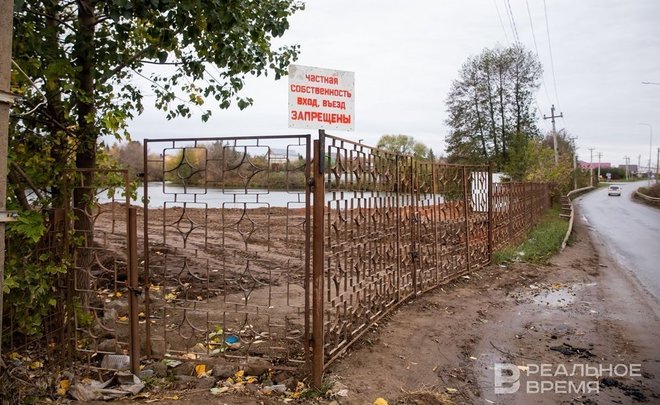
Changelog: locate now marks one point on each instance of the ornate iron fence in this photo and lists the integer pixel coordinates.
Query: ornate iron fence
(227, 266)
(238, 261)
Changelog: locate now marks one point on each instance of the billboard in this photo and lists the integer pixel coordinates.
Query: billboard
(321, 98)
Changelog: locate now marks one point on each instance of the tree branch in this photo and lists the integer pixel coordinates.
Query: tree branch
(137, 56)
(52, 17)
(16, 169)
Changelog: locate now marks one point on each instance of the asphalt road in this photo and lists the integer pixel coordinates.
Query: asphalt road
(629, 230)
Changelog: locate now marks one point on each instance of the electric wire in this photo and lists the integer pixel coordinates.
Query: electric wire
(552, 63)
(512, 21)
(536, 48)
(499, 16)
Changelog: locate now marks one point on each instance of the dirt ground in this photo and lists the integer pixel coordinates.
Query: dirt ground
(581, 309)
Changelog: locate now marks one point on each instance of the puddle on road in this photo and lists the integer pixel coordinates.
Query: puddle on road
(557, 295)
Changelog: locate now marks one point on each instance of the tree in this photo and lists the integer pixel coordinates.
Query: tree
(539, 162)
(81, 73)
(491, 107)
(403, 145)
(79, 62)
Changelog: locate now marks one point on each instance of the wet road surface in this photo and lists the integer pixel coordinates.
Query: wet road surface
(629, 230)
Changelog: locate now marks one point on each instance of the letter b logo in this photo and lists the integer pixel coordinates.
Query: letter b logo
(507, 378)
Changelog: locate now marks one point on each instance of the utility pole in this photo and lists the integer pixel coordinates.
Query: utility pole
(572, 139)
(6, 100)
(591, 166)
(554, 130)
(657, 167)
(639, 164)
(627, 160)
(600, 155)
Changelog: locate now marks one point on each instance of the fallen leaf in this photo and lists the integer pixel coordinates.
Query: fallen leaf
(218, 391)
(63, 387)
(36, 364)
(200, 370)
(451, 390)
(123, 318)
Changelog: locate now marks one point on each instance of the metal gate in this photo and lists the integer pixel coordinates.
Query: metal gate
(227, 248)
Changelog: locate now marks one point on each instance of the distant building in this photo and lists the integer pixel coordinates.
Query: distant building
(594, 165)
(631, 168)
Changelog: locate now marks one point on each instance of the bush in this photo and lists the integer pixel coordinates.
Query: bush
(653, 191)
(30, 274)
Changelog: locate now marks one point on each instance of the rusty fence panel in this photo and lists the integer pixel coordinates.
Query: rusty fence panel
(396, 227)
(98, 289)
(227, 258)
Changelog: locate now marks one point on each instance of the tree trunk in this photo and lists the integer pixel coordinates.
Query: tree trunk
(58, 150)
(83, 192)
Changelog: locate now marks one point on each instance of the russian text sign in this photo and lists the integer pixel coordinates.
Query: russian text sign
(321, 98)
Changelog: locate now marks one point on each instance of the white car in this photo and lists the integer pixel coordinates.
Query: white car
(614, 190)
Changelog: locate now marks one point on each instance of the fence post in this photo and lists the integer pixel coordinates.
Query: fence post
(466, 203)
(145, 236)
(134, 290)
(6, 99)
(317, 263)
(490, 212)
(397, 196)
(414, 222)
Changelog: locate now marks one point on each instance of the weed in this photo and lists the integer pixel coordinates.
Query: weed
(542, 242)
(320, 392)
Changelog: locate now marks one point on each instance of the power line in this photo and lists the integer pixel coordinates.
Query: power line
(512, 21)
(536, 48)
(552, 63)
(501, 22)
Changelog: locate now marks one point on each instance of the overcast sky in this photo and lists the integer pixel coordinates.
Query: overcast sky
(405, 55)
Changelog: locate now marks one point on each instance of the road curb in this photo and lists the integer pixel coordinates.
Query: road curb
(648, 200)
(573, 193)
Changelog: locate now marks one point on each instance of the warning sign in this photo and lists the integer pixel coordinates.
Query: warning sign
(321, 98)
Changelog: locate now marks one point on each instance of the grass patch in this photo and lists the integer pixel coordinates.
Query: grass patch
(653, 191)
(542, 242)
(320, 392)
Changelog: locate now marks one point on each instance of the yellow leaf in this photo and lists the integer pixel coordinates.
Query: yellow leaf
(251, 380)
(380, 401)
(118, 294)
(239, 373)
(63, 387)
(36, 364)
(200, 370)
(123, 318)
(14, 356)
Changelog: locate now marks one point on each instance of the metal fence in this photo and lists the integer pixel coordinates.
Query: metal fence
(227, 226)
(278, 248)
